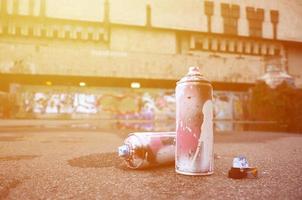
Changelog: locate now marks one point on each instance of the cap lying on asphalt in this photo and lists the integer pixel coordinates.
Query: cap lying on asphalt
(240, 173)
(241, 169)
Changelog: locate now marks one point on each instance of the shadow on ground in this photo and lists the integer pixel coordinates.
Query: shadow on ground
(7, 185)
(102, 160)
(17, 157)
(10, 138)
(99, 160)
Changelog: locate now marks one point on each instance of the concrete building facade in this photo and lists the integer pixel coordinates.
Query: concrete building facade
(111, 43)
(150, 39)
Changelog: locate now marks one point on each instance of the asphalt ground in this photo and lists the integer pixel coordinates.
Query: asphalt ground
(81, 163)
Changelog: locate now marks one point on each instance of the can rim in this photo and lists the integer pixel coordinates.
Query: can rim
(191, 80)
(193, 75)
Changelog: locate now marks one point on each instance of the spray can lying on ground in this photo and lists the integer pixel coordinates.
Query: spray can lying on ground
(148, 149)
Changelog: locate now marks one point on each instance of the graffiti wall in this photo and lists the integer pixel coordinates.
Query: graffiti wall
(229, 107)
(120, 104)
(105, 103)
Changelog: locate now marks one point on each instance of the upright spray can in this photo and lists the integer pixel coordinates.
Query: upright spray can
(148, 149)
(194, 125)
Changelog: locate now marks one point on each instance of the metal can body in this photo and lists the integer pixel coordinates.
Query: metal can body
(148, 149)
(194, 125)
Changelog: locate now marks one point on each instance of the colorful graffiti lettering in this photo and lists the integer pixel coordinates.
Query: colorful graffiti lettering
(146, 105)
(122, 104)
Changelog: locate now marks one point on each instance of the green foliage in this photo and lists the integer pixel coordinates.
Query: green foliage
(282, 104)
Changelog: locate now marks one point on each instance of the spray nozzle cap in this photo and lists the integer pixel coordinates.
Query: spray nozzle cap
(194, 75)
(124, 151)
(194, 71)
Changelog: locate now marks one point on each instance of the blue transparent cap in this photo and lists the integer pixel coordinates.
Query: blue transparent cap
(124, 151)
(240, 162)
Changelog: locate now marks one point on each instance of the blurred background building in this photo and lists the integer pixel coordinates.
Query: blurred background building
(120, 59)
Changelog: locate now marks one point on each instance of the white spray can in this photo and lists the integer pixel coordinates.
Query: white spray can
(194, 125)
(148, 149)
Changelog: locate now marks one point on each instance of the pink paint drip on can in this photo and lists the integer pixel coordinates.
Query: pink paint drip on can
(194, 153)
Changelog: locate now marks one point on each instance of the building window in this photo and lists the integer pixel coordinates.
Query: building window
(55, 33)
(77, 35)
(90, 36)
(43, 32)
(277, 52)
(30, 32)
(18, 31)
(68, 35)
(255, 18)
(230, 14)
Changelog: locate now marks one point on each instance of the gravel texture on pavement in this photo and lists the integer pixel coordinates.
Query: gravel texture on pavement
(82, 164)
